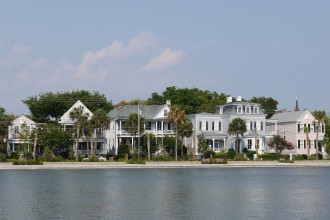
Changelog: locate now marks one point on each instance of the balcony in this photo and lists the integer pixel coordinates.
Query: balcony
(154, 132)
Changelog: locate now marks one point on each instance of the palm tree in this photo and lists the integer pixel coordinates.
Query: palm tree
(176, 116)
(307, 140)
(319, 116)
(79, 117)
(100, 121)
(185, 130)
(132, 125)
(237, 127)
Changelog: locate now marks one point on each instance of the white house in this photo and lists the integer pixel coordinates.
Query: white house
(99, 142)
(19, 134)
(155, 122)
(214, 127)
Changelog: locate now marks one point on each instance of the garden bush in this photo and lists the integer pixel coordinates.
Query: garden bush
(231, 154)
(136, 161)
(3, 157)
(27, 162)
(162, 158)
(240, 157)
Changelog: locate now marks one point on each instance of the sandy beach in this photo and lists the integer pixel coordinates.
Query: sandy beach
(153, 164)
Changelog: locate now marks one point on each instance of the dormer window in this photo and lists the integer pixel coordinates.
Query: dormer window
(165, 112)
(255, 110)
(239, 109)
(221, 111)
(248, 109)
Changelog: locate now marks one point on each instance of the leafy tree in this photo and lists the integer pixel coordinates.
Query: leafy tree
(176, 116)
(149, 144)
(320, 117)
(237, 127)
(190, 100)
(169, 144)
(202, 146)
(132, 125)
(47, 106)
(52, 135)
(25, 135)
(279, 144)
(308, 142)
(122, 150)
(79, 117)
(5, 121)
(268, 105)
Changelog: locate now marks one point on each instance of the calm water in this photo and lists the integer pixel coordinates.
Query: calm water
(247, 193)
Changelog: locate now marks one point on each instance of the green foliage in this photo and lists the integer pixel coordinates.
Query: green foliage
(300, 157)
(52, 135)
(202, 146)
(169, 144)
(5, 121)
(268, 105)
(50, 105)
(136, 161)
(273, 156)
(190, 100)
(47, 155)
(14, 155)
(240, 157)
(27, 162)
(279, 144)
(231, 154)
(250, 153)
(144, 143)
(3, 157)
(162, 158)
(237, 126)
(123, 149)
(132, 123)
(92, 159)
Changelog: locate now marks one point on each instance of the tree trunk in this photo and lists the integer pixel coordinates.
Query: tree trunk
(77, 142)
(148, 145)
(176, 142)
(35, 145)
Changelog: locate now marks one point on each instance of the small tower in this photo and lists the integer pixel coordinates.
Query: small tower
(296, 109)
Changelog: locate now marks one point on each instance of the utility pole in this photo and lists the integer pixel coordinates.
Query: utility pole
(138, 130)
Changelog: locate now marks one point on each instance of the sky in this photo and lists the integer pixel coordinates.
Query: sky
(130, 49)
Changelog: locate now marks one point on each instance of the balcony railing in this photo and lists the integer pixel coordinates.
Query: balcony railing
(84, 152)
(155, 132)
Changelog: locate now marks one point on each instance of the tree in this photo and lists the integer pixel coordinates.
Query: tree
(185, 130)
(279, 144)
(237, 127)
(190, 100)
(202, 146)
(176, 117)
(100, 121)
(169, 144)
(48, 106)
(79, 117)
(25, 135)
(268, 105)
(308, 142)
(132, 125)
(53, 136)
(320, 117)
(5, 121)
(149, 143)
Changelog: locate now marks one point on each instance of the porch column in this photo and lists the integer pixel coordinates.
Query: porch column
(162, 128)
(213, 144)
(119, 125)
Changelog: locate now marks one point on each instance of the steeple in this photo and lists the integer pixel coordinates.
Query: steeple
(296, 109)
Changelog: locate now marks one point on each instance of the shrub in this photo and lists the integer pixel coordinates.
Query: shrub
(240, 157)
(27, 162)
(14, 155)
(273, 156)
(162, 158)
(300, 157)
(231, 154)
(3, 157)
(250, 153)
(136, 161)
(123, 149)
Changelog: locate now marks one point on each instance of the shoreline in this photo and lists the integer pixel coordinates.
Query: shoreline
(162, 165)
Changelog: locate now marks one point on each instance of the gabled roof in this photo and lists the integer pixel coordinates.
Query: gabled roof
(66, 116)
(147, 111)
(23, 118)
(290, 116)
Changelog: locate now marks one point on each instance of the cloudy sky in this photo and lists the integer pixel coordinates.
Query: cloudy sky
(129, 49)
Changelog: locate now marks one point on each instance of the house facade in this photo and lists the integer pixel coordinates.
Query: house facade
(155, 117)
(19, 134)
(290, 126)
(214, 127)
(99, 139)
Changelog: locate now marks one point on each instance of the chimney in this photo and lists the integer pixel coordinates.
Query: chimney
(168, 103)
(239, 99)
(229, 99)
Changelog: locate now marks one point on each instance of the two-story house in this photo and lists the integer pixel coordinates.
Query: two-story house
(290, 126)
(19, 134)
(214, 127)
(99, 138)
(155, 117)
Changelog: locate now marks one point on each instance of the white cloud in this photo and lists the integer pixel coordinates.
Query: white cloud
(5, 63)
(21, 49)
(99, 64)
(36, 68)
(166, 59)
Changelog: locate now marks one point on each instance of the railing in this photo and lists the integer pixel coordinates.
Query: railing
(84, 152)
(155, 132)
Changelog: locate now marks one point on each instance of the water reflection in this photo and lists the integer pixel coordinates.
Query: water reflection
(256, 193)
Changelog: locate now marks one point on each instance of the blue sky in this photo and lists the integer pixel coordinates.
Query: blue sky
(129, 49)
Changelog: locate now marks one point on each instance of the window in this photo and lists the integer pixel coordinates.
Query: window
(239, 109)
(16, 130)
(300, 144)
(219, 126)
(168, 126)
(255, 110)
(165, 112)
(300, 128)
(251, 126)
(221, 111)
(261, 126)
(212, 125)
(148, 125)
(249, 144)
(311, 142)
(159, 125)
(311, 128)
(200, 125)
(248, 109)
(304, 144)
(207, 126)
